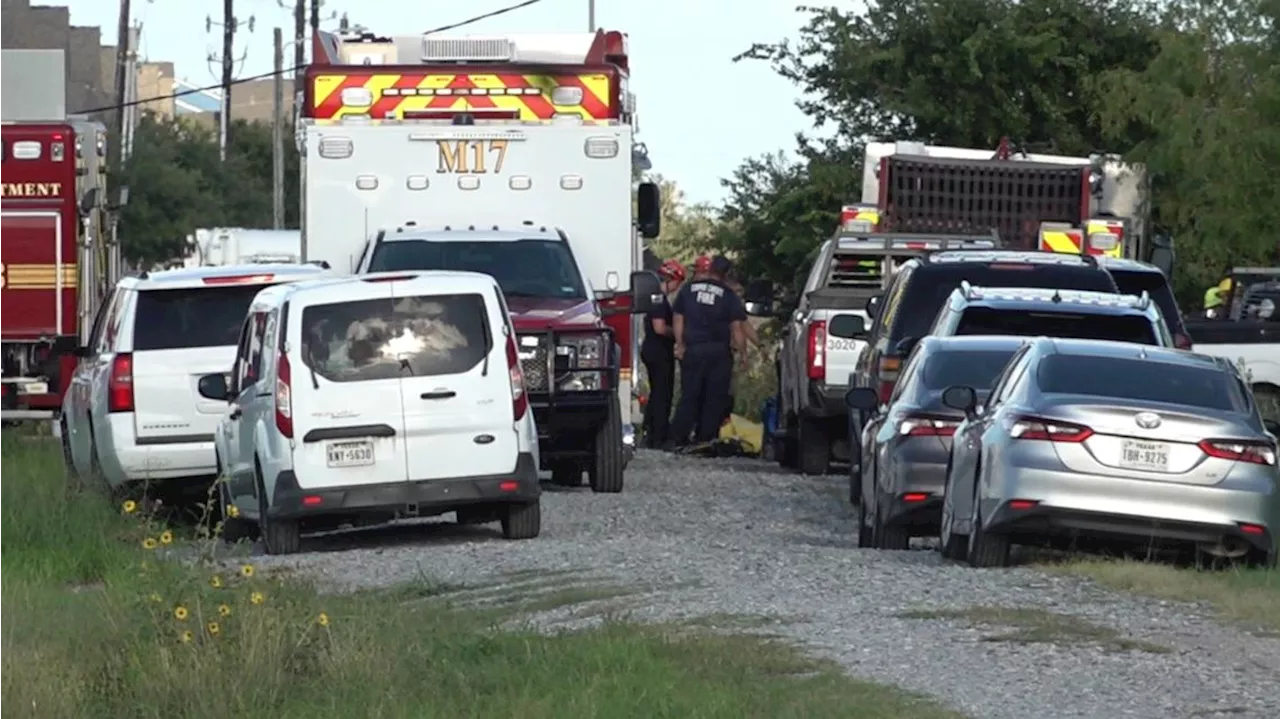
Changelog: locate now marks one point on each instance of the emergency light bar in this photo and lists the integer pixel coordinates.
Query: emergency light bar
(891, 243)
(467, 49)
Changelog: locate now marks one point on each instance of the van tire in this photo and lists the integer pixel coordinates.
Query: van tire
(522, 521)
(605, 473)
(566, 473)
(281, 536)
(234, 529)
(815, 447)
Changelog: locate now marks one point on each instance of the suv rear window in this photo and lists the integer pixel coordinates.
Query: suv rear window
(192, 317)
(421, 336)
(523, 268)
(1132, 379)
(1155, 285)
(931, 285)
(1068, 325)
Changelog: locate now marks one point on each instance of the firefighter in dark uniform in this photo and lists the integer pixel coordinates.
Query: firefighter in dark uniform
(708, 325)
(657, 351)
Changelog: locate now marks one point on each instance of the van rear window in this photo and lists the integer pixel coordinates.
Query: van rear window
(932, 285)
(423, 336)
(192, 317)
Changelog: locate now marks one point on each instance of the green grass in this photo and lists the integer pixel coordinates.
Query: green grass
(1248, 596)
(96, 626)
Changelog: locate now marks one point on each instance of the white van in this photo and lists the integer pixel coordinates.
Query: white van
(372, 398)
(132, 414)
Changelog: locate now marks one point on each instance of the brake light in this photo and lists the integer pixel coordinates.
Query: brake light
(923, 425)
(1049, 430)
(238, 279)
(120, 386)
(887, 369)
(519, 400)
(818, 349)
(1010, 266)
(915, 497)
(1181, 341)
(392, 278)
(1237, 451)
(885, 390)
(284, 397)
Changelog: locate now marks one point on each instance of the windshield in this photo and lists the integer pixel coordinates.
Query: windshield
(1131, 379)
(977, 369)
(523, 268)
(193, 317)
(932, 285)
(385, 338)
(1021, 323)
(1155, 285)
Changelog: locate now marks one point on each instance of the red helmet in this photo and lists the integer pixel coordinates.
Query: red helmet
(702, 264)
(672, 270)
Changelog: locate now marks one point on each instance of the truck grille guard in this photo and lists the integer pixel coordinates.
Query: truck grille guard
(547, 369)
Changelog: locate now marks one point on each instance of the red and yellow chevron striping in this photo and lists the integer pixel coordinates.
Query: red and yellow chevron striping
(394, 94)
(1062, 240)
(37, 277)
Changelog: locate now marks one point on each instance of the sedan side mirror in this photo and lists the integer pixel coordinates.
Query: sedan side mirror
(213, 386)
(905, 345)
(646, 291)
(964, 399)
(862, 398)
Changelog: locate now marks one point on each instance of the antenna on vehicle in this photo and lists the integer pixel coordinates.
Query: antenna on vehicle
(1056, 297)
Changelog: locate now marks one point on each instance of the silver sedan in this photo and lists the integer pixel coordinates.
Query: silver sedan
(1087, 442)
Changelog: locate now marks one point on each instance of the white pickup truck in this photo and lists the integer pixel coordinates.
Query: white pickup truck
(824, 336)
(1247, 331)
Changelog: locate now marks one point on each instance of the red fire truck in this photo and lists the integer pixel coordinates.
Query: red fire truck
(56, 267)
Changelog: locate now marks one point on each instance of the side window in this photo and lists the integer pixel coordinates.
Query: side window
(909, 375)
(95, 343)
(892, 301)
(269, 342)
(240, 370)
(253, 365)
(817, 273)
(364, 255)
(1016, 372)
(998, 387)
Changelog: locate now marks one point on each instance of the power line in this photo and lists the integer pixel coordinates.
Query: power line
(297, 68)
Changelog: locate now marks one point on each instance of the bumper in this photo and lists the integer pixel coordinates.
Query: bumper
(405, 498)
(917, 489)
(567, 423)
(826, 400)
(130, 459)
(1069, 503)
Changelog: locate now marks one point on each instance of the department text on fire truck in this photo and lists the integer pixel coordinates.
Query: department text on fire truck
(468, 157)
(31, 189)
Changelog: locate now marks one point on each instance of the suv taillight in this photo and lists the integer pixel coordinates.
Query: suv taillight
(817, 349)
(120, 386)
(887, 372)
(1181, 341)
(519, 400)
(284, 397)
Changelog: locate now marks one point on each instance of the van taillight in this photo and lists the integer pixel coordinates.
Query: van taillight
(120, 386)
(284, 397)
(519, 400)
(887, 371)
(1181, 341)
(818, 349)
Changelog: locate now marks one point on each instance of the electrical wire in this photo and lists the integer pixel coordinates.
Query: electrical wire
(298, 68)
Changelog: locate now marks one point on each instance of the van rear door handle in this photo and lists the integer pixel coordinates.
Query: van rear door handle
(235, 413)
(442, 394)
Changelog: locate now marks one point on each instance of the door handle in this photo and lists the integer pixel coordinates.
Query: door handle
(235, 413)
(443, 394)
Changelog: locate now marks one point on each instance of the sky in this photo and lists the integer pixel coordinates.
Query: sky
(700, 114)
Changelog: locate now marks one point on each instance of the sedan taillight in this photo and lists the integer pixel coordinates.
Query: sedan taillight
(923, 425)
(1239, 451)
(1049, 430)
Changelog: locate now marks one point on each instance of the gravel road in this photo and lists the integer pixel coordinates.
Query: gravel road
(745, 546)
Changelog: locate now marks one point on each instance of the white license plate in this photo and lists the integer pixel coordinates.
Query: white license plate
(350, 454)
(1136, 454)
(35, 388)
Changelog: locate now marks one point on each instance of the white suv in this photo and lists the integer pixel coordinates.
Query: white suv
(375, 397)
(132, 414)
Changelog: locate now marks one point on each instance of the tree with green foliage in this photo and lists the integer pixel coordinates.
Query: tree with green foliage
(177, 184)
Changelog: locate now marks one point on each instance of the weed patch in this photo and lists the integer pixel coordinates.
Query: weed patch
(1038, 626)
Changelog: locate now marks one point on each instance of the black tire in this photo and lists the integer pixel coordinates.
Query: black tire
(953, 546)
(605, 472)
(985, 549)
(522, 521)
(279, 536)
(788, 452)
(815, 447)
(234, 529)
(68, 462)
(566, 473)
(891, 537)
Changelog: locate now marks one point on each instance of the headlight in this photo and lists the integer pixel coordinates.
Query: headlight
(586, 351)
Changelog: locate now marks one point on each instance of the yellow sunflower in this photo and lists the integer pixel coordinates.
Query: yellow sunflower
(180, 613)
(246, 570)
(224, 610)
(215, 581)
(232, 511)
(213, 629)
(322, 619)
(166, 537)
(129, 506)
(149, 543)
(257, 598)
(155, 598)
(187, 637)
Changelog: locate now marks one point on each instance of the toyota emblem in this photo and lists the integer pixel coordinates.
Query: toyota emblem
(1147, 420)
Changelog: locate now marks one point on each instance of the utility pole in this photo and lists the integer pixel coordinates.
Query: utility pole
(315, 17)
(299, 44)
(277, 137)
(122, 76)
(591, 15)
(228, 64)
